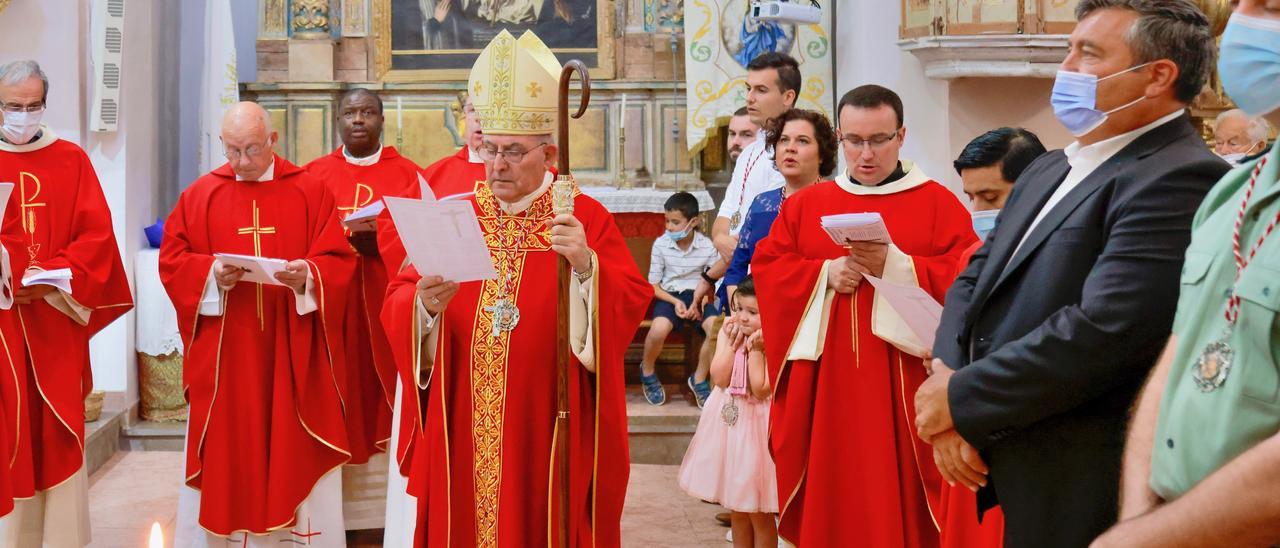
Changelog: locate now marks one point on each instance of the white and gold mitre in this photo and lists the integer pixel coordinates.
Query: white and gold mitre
(513, 86)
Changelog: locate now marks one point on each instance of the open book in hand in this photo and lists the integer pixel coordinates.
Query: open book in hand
(58, 278)
(849, 228)
(260, 270)
(442, 239)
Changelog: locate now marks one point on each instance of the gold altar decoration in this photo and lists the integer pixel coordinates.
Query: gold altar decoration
(311, 17)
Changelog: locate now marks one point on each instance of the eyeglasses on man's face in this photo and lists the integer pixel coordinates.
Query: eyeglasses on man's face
(235, 154)
(490, 154)
(14, 108)
(875, 142)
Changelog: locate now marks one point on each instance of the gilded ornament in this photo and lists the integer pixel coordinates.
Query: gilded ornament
(311, 16)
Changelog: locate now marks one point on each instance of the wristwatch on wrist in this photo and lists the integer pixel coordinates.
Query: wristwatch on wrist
(583, 276)
(707, 277)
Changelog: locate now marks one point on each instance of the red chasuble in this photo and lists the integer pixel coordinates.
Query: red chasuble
(482, 472)
(453, 175)
(368, 378)
(266, 413)
(16, 479)
(64, 223)
(851, 471)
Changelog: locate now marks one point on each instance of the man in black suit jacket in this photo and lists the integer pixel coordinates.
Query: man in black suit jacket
(1054, 325)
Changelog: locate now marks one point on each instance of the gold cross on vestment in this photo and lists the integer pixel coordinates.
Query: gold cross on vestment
(27, 206)
(257, 230)
(356, 203)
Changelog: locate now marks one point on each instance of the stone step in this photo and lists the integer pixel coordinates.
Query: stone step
(102, 437)
(154, 436)
(658, 435)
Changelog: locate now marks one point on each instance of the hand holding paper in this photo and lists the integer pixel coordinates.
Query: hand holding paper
(849, 228)
(364, 219)
(260, 270)
(38, 283)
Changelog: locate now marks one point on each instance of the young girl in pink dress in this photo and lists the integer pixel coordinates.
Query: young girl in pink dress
(728, 460)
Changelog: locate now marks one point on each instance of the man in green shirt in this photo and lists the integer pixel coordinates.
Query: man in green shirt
(1202, 462)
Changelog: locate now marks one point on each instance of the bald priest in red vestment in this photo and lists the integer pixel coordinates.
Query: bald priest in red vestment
(457, 175)
(851, 471)
(64, 234)
(483, 353)
(266, 434)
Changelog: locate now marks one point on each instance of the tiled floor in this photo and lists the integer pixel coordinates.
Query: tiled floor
(136, 488)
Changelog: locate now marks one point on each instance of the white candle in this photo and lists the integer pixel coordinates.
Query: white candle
(157, 537)
(399, 114)
(622, 118)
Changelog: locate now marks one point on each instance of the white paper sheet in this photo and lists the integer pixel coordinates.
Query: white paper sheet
(365, 219)
(849, 228)
(256, 269)
(442, 239)
(59, 278)
(425, 189)
(918, 309)
(6, 189)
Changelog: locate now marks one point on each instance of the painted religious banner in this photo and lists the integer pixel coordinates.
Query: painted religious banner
(721, 38)
(440, 39)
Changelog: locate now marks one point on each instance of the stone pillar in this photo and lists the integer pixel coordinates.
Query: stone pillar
(273, 41)
(311, 49)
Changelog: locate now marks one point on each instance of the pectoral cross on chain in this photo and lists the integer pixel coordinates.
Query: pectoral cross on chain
(505, 316)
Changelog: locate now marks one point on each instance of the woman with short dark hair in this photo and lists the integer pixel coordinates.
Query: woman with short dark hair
(804, 145)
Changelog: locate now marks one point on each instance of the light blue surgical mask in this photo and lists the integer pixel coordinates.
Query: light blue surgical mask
(680, 234)
(1249, 63)
(1075, 100)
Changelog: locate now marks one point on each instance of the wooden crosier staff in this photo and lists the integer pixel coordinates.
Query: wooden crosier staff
(562, 204)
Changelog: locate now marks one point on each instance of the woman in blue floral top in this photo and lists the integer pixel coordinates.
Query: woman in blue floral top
(805, 149)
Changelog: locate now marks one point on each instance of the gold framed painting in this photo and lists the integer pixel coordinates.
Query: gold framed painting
(432, 40)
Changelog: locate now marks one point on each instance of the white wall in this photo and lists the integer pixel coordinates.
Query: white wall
(941, 116)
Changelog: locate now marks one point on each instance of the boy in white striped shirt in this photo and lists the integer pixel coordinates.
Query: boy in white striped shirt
(679, 261)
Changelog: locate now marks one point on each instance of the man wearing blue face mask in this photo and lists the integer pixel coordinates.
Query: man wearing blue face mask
(1061, 314)
(1202, 461)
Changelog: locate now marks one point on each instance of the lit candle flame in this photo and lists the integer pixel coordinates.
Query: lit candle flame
(157, 537)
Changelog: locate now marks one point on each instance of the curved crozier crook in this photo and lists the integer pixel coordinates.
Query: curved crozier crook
(566, 76)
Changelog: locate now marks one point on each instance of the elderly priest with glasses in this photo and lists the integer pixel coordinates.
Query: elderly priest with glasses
(484, 352)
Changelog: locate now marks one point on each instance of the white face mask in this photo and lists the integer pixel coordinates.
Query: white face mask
(20, 127)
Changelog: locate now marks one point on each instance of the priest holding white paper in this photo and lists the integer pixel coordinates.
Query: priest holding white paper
(483, 353)
(266, 434)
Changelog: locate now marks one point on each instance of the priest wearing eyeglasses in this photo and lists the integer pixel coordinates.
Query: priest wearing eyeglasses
(482, 353)
(266, 434)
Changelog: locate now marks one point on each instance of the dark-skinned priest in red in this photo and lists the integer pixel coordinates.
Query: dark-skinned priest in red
(58, 222)
(266, 435)
(482, 473)
(844, 367)
(359, 173)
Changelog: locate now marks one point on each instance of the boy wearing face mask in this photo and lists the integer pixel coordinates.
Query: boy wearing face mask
(679, 260)
(1202, 461)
